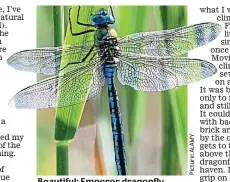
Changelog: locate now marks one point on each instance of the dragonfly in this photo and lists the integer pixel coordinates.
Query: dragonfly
(146, 61)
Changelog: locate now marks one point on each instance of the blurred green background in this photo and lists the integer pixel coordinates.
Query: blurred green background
(155, 123)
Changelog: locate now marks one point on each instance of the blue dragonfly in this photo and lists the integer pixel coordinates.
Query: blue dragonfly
(144, 61)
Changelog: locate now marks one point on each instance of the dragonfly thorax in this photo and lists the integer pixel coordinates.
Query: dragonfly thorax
(107, 45)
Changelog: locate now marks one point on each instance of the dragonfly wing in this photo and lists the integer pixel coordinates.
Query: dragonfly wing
(172, 42)
(48, 60)
(97, 83)
(149, 73)
(61, 90)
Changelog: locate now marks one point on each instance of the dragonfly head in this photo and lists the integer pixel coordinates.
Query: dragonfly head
(102, 17)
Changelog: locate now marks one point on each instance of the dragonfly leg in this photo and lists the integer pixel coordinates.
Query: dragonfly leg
(111, 9)
(71, 27)
(83, 60)
(78, 22)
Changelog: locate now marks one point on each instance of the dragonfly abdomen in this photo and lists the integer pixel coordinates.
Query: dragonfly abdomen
(117, 125)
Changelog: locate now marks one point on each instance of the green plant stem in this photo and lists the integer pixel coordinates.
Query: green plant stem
(57, 20)
(61, 146)
(62, 158)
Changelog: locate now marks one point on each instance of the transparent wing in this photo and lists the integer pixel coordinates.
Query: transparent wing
(170, 42)
(62, 90)
(97, 83)
(148, 73)
(47, 60)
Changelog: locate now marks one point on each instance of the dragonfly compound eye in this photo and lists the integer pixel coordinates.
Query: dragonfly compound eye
(98, 20)
(102, 17)
(109, 19)
(102, 11)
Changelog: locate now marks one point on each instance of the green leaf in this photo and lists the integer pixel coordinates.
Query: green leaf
(68, 118)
